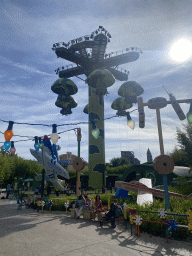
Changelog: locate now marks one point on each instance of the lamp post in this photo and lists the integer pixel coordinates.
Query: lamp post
(162, 153)
(78, 180)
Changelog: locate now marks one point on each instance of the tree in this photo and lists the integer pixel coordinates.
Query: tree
(114, 162)
(179, 157)
(12, 166)
(184, 139)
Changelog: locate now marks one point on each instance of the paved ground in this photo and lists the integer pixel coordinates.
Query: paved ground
(28, 233)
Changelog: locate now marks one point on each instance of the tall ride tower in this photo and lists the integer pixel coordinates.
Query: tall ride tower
(101, 69)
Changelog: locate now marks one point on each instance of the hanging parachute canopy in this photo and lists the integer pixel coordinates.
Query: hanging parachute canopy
(65, 102)
(64, 86)
(130, 90)
(86, 109)
(66, 111)
(120, 105)
(101, 79)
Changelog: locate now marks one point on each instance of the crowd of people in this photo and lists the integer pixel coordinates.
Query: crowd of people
(87, 204)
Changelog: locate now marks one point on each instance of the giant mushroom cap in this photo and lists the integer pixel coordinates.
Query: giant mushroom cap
(120, 104)
(100, 78)
(86, 109)
(66, 111)
(64, 86)
(130, 89)
(65, 102)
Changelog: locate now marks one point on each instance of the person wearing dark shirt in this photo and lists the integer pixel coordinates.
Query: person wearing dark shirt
(8, 190)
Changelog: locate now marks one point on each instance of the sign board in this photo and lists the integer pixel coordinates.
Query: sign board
(142, 196)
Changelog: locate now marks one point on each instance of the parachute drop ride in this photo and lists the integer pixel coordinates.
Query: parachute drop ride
(88, 57)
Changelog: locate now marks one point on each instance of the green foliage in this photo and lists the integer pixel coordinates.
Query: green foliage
(12, 166)
(114, 162)
(119, 169)
(179, 157)
(184, 139)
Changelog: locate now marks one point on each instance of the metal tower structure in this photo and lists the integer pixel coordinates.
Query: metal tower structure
(88, 53)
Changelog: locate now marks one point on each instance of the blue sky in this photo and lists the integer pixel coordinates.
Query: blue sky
(27, 64)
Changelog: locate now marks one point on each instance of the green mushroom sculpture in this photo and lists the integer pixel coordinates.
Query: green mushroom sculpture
(100, 79)
(64, 88)
(130, 90)
(86, 109)
(120, 105)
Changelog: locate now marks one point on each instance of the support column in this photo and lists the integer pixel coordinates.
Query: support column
(166, 192)
(96, 146)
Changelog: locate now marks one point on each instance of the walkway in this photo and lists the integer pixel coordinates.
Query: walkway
(28, 233)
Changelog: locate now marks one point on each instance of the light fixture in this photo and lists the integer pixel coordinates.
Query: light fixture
(54, 136)
(40, 143)
(95, 131)
(130, 121)
(37, 144)
(8, 134)
(7, 145)
(189, 114)
(12, 149)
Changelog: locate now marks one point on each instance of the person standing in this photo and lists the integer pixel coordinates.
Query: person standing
(8, 190)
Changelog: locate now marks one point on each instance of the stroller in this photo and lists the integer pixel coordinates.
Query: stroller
(114, 212)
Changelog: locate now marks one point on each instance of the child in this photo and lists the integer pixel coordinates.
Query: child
(88, 203)
(38, 204)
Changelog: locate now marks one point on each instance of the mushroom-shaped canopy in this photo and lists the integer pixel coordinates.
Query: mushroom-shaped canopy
(86, 109)
(64, 86)
(100, 78)
(130, 88)
(131, 99)
(120, 104)
(66, 111)
(64, 102)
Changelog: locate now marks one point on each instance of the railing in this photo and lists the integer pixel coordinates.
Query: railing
(171, 223)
